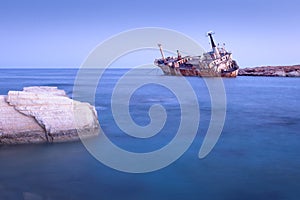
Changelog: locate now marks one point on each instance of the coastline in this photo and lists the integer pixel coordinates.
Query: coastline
(273, 71)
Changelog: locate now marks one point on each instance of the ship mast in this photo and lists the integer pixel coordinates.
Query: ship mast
(161, 51)
(178, 55)
(213, 45)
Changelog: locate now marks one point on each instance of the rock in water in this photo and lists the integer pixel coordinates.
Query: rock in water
(16, 127)
(44, 114)
(282, 71)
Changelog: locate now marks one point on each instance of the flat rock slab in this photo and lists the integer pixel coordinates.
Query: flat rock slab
(16, 127)
(44, 114)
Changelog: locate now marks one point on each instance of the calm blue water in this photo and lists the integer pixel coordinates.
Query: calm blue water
(256, 157)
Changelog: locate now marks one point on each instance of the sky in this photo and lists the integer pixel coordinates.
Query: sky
(62, 33)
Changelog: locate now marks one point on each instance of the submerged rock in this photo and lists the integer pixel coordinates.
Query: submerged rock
(44, 114)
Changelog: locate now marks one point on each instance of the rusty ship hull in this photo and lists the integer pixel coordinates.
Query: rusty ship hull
(170, 71)
(215, 63)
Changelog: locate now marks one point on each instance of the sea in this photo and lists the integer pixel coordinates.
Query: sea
(257, 155)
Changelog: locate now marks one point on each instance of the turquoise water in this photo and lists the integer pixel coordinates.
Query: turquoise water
(256, 157)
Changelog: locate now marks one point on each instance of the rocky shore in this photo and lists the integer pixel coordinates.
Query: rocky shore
(44, 115)
(283, 71)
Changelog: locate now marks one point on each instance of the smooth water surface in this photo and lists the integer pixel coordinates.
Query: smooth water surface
(256, 157)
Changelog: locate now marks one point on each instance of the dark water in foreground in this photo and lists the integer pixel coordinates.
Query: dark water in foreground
(256, 157)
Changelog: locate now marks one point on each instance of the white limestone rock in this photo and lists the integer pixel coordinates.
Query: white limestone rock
(280, 73)
(48, 110)
(294, 74)
(16, 127)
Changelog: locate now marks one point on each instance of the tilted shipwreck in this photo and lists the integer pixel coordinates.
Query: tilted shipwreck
(216, 63)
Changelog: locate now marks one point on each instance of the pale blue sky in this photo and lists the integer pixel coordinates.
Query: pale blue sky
(61, 33)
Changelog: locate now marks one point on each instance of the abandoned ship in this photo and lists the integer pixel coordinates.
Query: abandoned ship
(216, 63)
